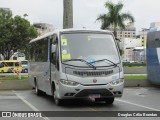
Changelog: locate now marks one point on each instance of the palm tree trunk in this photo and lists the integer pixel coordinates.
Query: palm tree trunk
(67, 14)
(115, 30)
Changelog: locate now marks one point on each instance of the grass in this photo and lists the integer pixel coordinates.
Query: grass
(135, 77)
(12, 77)
(135, 66)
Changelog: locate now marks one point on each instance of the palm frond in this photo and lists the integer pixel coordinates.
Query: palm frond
(121, 22)
(118, 7)
(127, 16)
(106, 23)
(101, 17)
(110, 5)
(114, 16)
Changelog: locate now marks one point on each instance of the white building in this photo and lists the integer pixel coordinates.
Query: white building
(18, 56)
(43, 28)
(129, 45)
(5, 9)
(154, 24)
(128, 32)
(139, 54)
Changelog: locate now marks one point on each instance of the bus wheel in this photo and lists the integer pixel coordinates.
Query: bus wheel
(109, 100)
(38, 92)
(2, 71)
(58, 102)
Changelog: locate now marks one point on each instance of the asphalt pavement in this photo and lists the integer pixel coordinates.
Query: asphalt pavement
(133, 100)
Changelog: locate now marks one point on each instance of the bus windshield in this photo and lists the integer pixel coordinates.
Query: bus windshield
(95, 48)
(24, 62)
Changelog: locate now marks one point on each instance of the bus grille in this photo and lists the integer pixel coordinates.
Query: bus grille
(92, 73)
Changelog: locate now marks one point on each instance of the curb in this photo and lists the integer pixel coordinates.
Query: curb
(136, 70)
(25, 84)
(137, 83)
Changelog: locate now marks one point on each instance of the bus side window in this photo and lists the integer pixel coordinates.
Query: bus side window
(57, 57)
(55, 54)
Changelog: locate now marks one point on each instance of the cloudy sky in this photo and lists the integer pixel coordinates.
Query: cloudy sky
(85, 11)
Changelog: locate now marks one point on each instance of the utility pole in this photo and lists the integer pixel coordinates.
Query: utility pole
(67, 14)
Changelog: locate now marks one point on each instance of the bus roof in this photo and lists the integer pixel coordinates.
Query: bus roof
(68, 31)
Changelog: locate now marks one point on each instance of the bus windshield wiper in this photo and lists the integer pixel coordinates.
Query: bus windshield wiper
(94, 67)
(107, 60)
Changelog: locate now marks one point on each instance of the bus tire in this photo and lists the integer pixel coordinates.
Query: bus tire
(38, 92)
(2, 71)
(53, 89)
(109, 100)
(58, 102)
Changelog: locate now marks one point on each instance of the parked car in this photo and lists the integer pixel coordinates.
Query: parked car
(24, 64)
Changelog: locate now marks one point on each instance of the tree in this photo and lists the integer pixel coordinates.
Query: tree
(67, 14)
(114, 16)
(15, 33)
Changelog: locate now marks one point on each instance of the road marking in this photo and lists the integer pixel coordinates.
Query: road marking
(28, 103)
(92, 109)
(137, 105)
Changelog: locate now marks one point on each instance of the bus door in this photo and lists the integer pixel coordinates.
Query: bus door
(47, 69)
(54, 62)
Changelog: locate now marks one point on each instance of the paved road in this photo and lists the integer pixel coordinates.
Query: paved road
(134, 99)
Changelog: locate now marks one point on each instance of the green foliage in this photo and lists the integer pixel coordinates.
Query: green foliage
(15, 33)
(134, 64)
(114, 16)
(135, 77)
(121, 52)
(13, 77)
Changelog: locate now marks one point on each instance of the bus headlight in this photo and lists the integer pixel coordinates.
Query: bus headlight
(68, 82)
(116, 82)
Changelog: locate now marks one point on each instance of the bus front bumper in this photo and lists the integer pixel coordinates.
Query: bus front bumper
(85, 91)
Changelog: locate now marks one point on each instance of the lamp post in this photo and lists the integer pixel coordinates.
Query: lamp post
(67, 14)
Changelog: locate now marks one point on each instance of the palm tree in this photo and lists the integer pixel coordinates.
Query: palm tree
(114, 17)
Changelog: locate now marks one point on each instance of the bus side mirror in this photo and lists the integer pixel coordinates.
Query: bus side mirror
(55, 40)
(53, 48)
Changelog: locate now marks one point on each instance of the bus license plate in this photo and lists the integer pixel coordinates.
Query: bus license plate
(94, 96)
